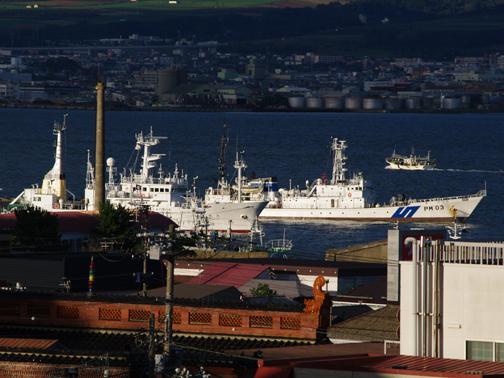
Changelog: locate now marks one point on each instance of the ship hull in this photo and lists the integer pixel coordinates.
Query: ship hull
(410, 167)
(221, 217)
(441, 210)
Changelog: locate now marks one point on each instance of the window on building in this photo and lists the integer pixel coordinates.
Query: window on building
(479, 350)
(499, 352)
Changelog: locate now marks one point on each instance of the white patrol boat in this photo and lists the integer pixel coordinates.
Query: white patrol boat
(410, 163)
(354, 199)
(53, 195)
(171, 196)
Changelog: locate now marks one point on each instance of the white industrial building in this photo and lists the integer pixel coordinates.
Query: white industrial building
(452, 300)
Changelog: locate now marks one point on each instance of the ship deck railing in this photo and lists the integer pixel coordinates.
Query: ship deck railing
(279, 244)
(139, 179)
(481, 193)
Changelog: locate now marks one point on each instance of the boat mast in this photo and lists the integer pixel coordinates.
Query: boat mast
(148, 160)
(222, 158)
(239, 165)
(89, 173)
(338, 174)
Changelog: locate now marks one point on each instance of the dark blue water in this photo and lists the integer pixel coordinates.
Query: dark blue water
(294, 147)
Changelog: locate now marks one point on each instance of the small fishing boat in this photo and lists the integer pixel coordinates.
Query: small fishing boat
(410, 163)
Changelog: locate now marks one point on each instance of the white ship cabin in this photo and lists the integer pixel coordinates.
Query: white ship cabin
(171, 189)
(354, 193)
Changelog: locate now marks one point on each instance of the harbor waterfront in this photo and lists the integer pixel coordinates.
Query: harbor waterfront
(294, 147)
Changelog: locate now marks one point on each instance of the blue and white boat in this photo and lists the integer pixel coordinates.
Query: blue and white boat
(353, 199)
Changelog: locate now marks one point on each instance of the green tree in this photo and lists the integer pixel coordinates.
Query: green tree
(262, 290)
(37, 230)
(115, 222)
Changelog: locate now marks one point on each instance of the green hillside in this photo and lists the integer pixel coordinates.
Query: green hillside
(426, 28)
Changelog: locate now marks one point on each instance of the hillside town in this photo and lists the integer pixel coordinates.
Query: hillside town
(157, 300)
(147, 72)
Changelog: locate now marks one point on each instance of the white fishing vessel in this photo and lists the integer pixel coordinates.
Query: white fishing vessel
(170, 195)
(354, 199)
(410, 163)
(243, 189)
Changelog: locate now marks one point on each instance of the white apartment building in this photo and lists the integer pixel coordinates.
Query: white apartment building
(8, 90)
(452, 300)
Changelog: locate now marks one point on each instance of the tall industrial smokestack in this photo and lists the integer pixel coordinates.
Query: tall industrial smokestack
(100, 146)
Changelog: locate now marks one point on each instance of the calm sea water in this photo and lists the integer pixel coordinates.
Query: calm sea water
(293, 147)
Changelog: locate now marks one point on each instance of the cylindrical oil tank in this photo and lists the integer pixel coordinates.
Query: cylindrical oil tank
(167, 79)
(315, 102)
(412, 103)
(297, 102)
(466, 101)
(372, 103)
(427, 103)
(353, 103)
(334, 103)
(452, 103)
(394, 103)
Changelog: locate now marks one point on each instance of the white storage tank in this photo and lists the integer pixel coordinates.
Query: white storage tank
(297, 102)
(334, 103)
(452, 102)
(394, 103)
(353, 103)
(412, 103)
(372, 103)
(315, 102)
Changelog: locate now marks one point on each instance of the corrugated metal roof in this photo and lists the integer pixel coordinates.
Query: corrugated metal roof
(228, 274)
(27, 343)
(441, 365)
(378, 325)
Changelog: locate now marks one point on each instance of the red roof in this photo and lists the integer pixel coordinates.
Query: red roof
(386, 365)
(228, 274)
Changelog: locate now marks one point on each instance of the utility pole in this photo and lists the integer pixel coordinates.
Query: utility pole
(151, 346)
(169, 261)
(145, 211)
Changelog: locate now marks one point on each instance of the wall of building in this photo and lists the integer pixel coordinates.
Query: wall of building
(472, 306)
(237, 321)
(462, 292)
(27, 369)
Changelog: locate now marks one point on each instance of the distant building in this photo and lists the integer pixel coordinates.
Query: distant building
(146, 78)
(8, 90)
(255, 69)
(227, 74)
